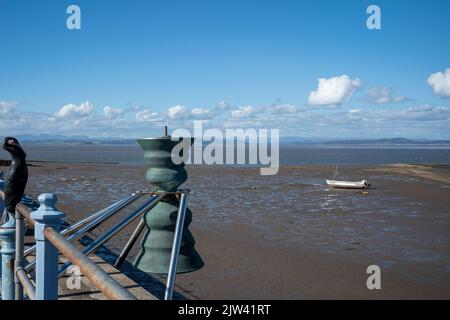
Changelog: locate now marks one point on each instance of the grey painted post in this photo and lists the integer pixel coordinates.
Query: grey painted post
(2, 184)
(2, 207)
(46, 253)
(7, 236)
(18, 261)
(7, 251)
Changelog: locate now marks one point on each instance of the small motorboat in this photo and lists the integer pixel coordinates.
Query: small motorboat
(363, 184)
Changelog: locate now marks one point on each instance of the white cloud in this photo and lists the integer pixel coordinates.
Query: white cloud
(427, 113)
(383, 95)
(177, 111)
(6, 106)
(333, 91)
(200, 112)
(223, 105)
(242, 112)
(147, 115)
(111, 113)
(422, 121)
(72, 110)
(440, 82)
(419, 114)
(280, 109)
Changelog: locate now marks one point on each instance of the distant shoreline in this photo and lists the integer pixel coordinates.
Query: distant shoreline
(325, 145)
(73, 162)
(287, 166)
(292, 154)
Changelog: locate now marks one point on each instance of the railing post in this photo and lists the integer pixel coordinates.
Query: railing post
(2, 207)
(2, 185)
(46, 253)
(18, 261)
(7, 237)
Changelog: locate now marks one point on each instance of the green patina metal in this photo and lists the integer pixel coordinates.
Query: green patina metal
(156, 245)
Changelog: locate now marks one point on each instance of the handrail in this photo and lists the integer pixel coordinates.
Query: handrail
(47, 220)
(87, 227)
(176, 246)
(26, 213)
(103, 281)
(26, 283)
(93, 220)
(116, 228)
(99, 278)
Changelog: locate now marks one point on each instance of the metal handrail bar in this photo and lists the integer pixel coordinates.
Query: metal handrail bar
(178, 234)
(99, 278)
(115, 229)
(112, 209)
(27, 285)
(90, 226)
(130, 243)
(26, 213)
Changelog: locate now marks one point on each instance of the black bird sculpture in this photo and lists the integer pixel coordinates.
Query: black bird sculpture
(16, 179)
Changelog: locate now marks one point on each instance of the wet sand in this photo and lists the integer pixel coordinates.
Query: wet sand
(288, 236)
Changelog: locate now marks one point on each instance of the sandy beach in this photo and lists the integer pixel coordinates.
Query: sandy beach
(289, 236)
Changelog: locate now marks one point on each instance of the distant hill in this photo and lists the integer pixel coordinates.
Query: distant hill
(389, 141)
(359, 142)
(84, 140)
(78, 140)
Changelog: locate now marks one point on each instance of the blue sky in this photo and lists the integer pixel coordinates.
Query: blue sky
(136, 65)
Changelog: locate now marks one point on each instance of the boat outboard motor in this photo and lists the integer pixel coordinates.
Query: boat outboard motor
(16, 179)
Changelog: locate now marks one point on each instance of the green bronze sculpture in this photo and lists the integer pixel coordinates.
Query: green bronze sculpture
(156, 245)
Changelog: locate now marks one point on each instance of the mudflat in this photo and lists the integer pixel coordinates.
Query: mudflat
(288, 236)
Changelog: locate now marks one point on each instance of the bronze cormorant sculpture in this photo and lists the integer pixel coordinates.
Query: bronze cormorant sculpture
(16, 179)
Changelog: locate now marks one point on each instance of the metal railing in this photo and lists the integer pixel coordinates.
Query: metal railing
(16, 279)
(78, 230)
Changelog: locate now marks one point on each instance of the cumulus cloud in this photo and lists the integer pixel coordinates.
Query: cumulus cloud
(334, 91)
(427, 113)
(440, 82)
(242, 112)
(419, 114)
(198, 112)
(6, 106)
(147, 115)
(425, 120)
(73, 110)
(112, 113)
(223, 105)
(177, 112)
(383, 95)
(280, 109)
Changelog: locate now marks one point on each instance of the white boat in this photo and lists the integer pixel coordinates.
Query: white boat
(363, 184)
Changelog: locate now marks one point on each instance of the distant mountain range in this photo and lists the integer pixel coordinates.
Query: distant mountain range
(79, 140)
(84, 140)
(384, 141)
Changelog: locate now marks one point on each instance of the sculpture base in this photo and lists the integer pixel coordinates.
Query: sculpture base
(156, 245)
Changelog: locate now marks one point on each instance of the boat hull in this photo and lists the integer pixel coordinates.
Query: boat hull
(347, 184)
